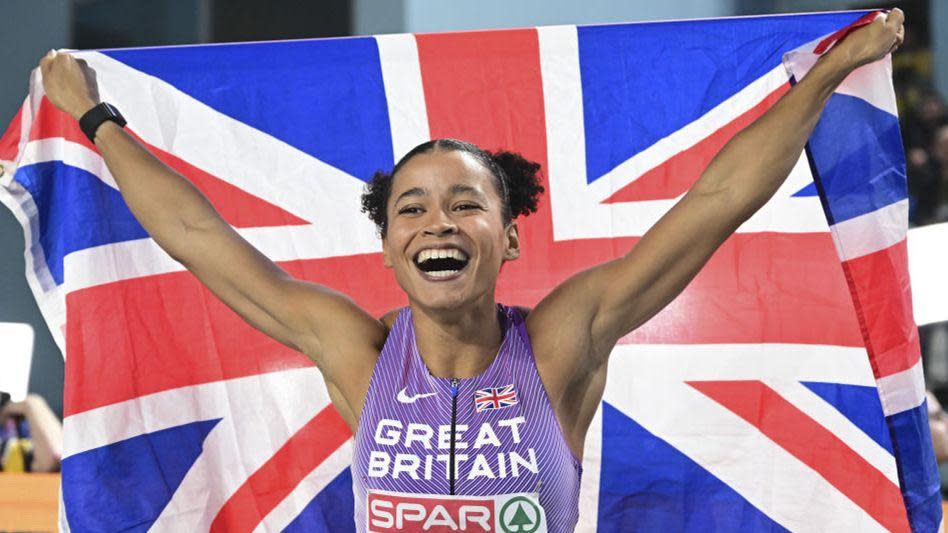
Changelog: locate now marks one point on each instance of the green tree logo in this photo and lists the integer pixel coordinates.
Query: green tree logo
(520, 515)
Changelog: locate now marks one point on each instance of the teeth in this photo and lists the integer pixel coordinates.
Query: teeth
(442, 273)
(442, 253)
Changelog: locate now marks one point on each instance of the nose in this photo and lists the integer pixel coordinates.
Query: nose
(440, 225)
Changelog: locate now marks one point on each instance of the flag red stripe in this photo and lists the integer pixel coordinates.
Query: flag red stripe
(762, 287)
(675, 175)
(495, 78)
(843, 32)
(274, 481)
(882, 294)
(814, 445)
(10, 141)
(50, 122)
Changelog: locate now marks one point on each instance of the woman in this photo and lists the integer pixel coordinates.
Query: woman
(455, 395)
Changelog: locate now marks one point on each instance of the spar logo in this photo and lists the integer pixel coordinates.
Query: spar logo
(506, 513)
(520, 515)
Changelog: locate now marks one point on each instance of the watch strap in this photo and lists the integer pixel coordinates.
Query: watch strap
(90, 122)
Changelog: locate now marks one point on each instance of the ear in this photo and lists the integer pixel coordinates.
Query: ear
(386, 255)
(513, 242)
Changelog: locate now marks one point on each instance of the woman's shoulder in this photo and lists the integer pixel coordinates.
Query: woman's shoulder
(388, 319)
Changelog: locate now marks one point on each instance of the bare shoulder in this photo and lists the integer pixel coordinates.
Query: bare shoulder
(388, 320)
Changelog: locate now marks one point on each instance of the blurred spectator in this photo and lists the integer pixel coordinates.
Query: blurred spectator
(31, 437)
(940, 155)
(926, 155)
(938, 421)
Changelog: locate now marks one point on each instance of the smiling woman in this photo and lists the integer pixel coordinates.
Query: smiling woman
(468, 414)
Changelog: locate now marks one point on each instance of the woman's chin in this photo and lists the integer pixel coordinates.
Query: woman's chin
(443, 300)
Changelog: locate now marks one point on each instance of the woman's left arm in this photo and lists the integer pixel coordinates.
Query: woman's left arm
(612, 299)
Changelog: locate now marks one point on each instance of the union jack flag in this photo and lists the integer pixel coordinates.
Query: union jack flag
(495, 398)
(781, 390)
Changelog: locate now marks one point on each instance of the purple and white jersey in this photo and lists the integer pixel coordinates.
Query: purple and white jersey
(506, 440)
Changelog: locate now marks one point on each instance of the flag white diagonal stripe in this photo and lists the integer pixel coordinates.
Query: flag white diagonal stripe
(288, 509)
(631, 169)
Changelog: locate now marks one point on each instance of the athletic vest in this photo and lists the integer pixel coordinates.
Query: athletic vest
(513, 470)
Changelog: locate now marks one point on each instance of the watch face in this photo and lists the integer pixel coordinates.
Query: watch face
(113, 112)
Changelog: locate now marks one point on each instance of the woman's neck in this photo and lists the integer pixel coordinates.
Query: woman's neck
(458, 344)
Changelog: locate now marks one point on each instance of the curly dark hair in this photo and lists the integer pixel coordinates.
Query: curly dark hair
(516, 178)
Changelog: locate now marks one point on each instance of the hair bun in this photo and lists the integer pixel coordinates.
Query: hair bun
(523, 181)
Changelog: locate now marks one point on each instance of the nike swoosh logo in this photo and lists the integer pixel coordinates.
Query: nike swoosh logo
(405, 398)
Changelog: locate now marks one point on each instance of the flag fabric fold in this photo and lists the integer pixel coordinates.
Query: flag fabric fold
(856, 157)
(782, 390)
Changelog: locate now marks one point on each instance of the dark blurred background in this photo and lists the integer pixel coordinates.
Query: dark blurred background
(32, 27)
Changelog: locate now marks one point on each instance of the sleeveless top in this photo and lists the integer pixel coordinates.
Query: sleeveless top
(506, 438)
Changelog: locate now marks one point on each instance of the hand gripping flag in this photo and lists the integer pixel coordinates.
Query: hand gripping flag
(781, 390)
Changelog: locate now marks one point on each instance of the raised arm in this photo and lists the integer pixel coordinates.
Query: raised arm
(603, 304)
(311, 318)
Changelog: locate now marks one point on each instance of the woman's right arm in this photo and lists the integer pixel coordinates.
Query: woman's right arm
(305, 316)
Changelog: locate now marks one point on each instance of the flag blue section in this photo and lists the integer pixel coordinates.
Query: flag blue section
(72, 205)
(918, 470)
(856, 150)
(97, 483)
(331, 510)
(860, 404)
(341, 117)
(646, 484)
(809, 190)
(642, 82)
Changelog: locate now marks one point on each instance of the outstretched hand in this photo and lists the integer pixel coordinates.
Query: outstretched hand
(873, 41)
(69, 83)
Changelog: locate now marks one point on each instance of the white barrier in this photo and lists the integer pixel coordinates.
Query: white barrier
(928, 266)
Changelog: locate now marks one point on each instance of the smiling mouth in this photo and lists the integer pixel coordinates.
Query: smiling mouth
(440, 264)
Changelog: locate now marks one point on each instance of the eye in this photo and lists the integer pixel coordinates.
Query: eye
(466, 206)
(409, 210)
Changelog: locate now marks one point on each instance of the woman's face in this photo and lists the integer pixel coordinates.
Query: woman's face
(446, 239)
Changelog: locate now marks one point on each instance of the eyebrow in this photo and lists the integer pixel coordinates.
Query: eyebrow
(467, 189)
(414, 191)
(455, 190)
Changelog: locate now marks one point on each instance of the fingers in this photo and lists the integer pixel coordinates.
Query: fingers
(894, 22)
(44, 61)
(895, 18)
(47, 61)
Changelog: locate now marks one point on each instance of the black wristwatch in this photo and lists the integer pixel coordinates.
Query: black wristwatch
(90, 122)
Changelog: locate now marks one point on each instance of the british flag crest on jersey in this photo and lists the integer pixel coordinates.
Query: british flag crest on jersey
(781, 391)
(495, 398)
